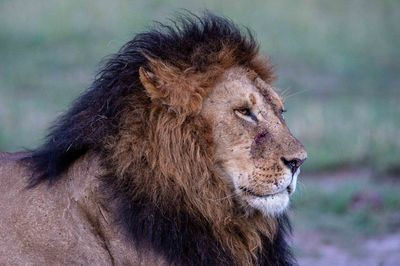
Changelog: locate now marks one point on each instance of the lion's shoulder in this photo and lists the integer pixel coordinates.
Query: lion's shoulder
(44, 225)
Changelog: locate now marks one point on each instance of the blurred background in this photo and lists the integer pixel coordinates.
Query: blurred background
(338, 66)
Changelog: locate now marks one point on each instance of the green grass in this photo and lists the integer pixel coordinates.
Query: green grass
(342, 56)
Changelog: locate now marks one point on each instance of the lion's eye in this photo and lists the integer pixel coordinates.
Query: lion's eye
(246, 114)
(245, 111)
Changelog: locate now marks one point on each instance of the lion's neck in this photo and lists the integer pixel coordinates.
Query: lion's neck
(183, 237)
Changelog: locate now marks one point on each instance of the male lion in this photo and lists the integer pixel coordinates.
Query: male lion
(177, 154)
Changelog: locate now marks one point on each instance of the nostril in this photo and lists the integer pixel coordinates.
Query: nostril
(292, 164)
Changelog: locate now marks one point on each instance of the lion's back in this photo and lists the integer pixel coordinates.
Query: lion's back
(12, 208)
(12, 172)
(12, 178)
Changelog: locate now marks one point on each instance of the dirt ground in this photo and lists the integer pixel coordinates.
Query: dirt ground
(313, 250)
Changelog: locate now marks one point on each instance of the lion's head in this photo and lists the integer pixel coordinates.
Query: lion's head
(253, 147)
(195, 150)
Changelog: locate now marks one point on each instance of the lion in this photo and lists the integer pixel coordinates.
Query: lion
(178, 154)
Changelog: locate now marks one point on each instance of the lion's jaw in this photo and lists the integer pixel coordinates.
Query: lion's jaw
(270, 204)
(252, 149)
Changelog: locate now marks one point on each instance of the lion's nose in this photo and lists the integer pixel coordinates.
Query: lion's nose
(293, 164)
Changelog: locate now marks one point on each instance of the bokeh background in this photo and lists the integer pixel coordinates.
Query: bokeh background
(338, 66)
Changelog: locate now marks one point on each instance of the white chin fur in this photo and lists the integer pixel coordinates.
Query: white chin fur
(272, 205)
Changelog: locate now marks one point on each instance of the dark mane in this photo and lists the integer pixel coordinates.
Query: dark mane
(192, 41)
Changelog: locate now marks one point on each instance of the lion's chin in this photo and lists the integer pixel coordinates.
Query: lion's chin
(272, 205)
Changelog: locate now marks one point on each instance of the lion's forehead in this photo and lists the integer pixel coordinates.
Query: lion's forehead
(239, 85)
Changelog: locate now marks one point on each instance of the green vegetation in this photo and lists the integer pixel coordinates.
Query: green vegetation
(337, 62)
(350, 208)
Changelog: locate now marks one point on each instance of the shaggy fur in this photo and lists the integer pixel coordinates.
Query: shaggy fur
(141, 117)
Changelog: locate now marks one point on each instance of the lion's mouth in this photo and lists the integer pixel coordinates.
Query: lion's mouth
(249, 191)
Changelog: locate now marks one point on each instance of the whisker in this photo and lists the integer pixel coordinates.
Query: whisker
(284, 92)
(223, 198)
(299, 92)
(301, 187)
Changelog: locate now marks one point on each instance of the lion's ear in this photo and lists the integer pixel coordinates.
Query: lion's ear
(172, 87)
(149, 82)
